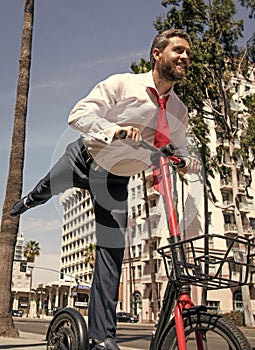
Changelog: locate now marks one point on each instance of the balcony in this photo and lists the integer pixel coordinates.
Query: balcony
(244, 207)
(230, 229)
(146, 278)
(154, 234)
(154, 213)
(146, 257)
(227, 205)
(225, 185)
(148, 174)
(152, 192)
(249, 230)
(158, 277)
(241, 186)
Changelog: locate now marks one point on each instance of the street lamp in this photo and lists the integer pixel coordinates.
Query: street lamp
(30, 269)
(41, 293)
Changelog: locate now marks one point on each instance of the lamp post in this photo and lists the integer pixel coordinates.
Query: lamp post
(41, 293)
(30, 269)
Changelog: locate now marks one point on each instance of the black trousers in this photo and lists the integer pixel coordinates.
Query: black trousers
(109, 194)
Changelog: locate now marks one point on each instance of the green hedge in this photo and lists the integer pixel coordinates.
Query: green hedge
(237, 317)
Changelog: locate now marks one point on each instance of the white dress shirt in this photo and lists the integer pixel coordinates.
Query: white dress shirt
(125, 100)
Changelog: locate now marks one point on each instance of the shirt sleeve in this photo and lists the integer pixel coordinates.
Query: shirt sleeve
(181, 145)
(89, 115)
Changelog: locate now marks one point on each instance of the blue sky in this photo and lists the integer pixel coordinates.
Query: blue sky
(75, 44)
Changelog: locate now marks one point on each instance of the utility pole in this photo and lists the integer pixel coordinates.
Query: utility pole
(130, 280)
(30, 289)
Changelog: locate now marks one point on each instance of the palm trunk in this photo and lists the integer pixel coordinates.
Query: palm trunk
(9, 225)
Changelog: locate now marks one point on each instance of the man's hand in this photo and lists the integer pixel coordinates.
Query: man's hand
(192, 165)
(132, 133)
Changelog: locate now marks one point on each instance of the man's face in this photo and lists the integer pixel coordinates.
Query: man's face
(173, 62)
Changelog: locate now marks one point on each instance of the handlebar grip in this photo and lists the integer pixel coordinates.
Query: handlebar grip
(168, 150)
(123, 135)
(179, 163)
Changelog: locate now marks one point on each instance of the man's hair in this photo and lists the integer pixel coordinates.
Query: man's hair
(162, 40)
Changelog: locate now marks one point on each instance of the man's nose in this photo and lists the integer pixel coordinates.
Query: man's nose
(184, 55)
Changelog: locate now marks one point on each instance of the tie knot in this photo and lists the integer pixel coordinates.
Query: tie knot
(161, 100)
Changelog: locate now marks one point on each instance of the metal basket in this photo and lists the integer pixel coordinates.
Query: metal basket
(229, 264)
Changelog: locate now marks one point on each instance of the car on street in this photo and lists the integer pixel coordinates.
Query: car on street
(126, 317)
(17, 313)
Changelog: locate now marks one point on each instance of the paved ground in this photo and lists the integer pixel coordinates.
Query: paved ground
(31, 341)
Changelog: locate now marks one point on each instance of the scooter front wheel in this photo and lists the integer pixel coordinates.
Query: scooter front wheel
(215, 331)
(67, 331)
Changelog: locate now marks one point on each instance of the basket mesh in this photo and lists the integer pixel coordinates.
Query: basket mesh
(230, 263)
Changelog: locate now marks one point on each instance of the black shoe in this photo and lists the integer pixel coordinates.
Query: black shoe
(96, 346)
(108, 344)
(19, 207)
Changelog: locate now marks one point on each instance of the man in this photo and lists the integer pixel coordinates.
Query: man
(101, 162)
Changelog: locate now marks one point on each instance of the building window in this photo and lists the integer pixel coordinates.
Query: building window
(238, 301)
(133, 251)
(133, 230)
(213, 305)
(133, 212)
(139, 271)
(153, 203)
(133, 272)
(139, 191)
(209, 218)
(139, 248)
(252, 223)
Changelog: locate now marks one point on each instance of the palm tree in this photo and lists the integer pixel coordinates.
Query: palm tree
(31, 250)
(90, 255)
(10, 225)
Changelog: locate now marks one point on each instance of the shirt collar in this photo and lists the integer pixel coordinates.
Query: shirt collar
(150, 84)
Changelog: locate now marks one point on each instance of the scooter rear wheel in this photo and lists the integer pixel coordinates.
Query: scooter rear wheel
(67, 331)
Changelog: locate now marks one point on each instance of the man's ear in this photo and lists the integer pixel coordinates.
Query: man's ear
(156, 54)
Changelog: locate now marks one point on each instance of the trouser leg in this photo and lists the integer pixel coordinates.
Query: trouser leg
(104, 293)
(70, 171)
(111, 221)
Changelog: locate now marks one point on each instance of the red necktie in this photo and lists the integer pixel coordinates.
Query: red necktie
(162, 135)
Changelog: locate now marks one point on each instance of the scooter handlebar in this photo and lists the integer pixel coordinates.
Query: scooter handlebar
(166, 151)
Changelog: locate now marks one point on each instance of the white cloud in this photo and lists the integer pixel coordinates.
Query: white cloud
(40, 225)
(127, 57)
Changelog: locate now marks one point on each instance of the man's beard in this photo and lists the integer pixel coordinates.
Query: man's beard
(169, 72)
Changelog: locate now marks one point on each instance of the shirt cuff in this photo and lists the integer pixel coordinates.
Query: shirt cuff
(106, 135)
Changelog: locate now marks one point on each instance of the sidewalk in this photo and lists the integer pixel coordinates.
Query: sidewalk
(31, 341)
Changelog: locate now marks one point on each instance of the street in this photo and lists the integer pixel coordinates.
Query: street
(131, 335)
(136, 336)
